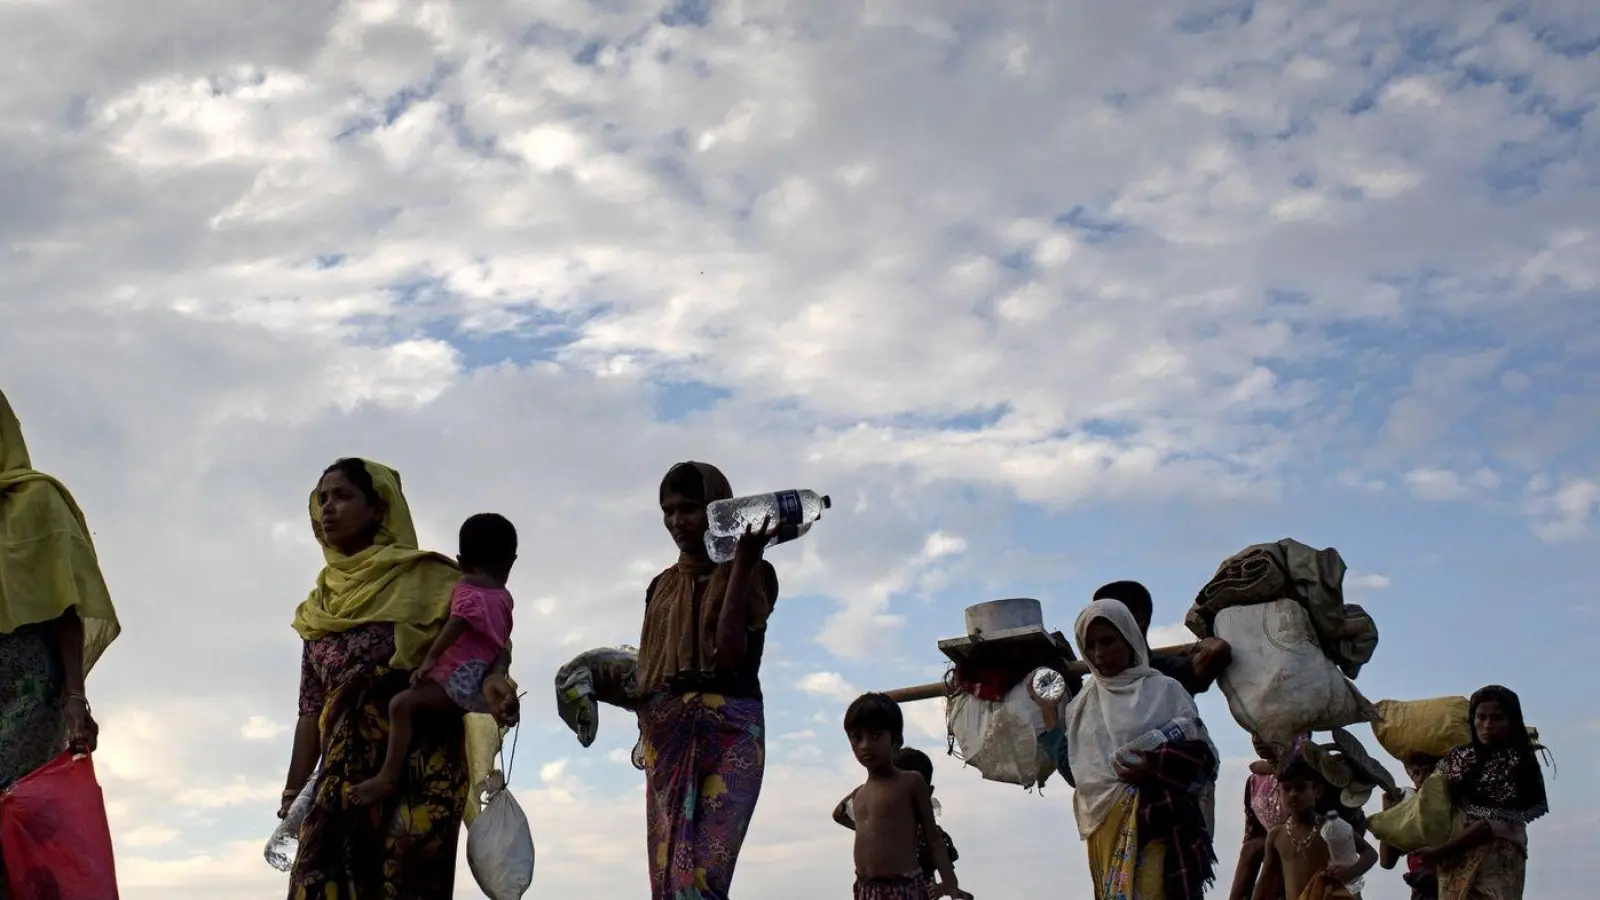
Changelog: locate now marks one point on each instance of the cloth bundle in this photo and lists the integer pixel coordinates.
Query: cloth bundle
(603, 675)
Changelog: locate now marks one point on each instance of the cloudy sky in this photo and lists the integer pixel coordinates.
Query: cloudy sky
(1044, 293)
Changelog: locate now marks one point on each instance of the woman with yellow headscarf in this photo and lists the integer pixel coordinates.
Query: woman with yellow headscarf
(369, 621)
(56, 617)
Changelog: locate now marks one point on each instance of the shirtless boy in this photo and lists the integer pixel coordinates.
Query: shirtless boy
(1296, 864)
(889, 808)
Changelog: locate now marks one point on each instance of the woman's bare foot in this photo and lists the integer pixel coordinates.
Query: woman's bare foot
(371, 791)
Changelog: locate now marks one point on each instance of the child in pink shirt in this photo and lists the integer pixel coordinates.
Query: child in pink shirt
(479, 627)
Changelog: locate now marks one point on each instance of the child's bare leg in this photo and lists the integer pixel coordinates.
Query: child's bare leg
(426, 696)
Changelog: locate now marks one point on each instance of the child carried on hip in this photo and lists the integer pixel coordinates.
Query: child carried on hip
(450, 677)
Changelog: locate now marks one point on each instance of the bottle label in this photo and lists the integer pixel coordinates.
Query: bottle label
(791, 515)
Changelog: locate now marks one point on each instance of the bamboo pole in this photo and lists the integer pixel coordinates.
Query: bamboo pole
(936, 690)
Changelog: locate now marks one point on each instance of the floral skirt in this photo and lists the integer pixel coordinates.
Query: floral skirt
(704, 757)
(405, 847)
(1497, 870)
(1120, 870)
(33, 727)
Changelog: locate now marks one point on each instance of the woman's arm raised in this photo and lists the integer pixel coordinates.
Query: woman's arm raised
(733, 621)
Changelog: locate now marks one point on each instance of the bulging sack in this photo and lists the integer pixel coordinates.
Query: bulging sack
(1000, 739)
(1431, 727)
(500, 844)
(54, 837)
(1424, 819)
(603, 675)
(1280, 683)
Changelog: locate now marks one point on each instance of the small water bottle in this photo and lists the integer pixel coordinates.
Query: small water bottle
(285, 840)
(793, 512)
(1341, 841)
(1181, 729)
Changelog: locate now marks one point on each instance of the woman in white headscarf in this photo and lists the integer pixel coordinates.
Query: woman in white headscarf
(1139, 811)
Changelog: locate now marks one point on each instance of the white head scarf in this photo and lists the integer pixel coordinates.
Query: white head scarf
(1111, 711)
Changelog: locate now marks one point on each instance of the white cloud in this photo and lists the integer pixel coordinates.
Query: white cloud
(1366, 581)
(260, 728)
(1175, 635)
(1156, 273)
(1564, 512)
(1441, 485)
(827, 684)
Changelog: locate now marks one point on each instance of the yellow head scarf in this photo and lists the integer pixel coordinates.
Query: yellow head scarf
(391, 581)
(47, 559)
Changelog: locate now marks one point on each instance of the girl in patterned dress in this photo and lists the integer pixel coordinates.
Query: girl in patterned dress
(1263, 811)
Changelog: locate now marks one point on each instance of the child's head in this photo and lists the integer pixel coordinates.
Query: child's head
(1300, 789)
(1419, 766)
(1496, 715)
(488, 546)
(1134, 596)
(911, 759)
(876, 728)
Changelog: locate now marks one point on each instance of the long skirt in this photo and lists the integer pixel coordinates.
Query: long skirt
(33, 726)
(1497, 870)
(1119, 868)
(405, 847)
(704, 756)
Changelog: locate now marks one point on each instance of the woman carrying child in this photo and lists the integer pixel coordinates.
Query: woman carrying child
(1496, 784)
(375, 611)
(701, 713)
(1139, 812)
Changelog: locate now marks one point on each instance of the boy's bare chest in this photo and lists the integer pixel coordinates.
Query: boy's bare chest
(1303, 853)
(882, 803)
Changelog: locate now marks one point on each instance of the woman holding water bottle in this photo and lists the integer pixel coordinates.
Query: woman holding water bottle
(701, 715)
(1140, 757)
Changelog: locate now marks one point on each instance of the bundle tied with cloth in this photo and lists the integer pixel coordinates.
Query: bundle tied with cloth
(992, 722)
(602, 675)
(1296, 644)
(1424, 730)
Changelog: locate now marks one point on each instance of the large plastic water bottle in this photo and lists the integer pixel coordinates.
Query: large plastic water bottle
(1341, 841)
(1180, 729)
(285, 840)
(793, 512)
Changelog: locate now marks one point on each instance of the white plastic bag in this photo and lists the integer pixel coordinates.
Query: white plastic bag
(500, 844)
(1280, 684)
(1000, 740)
